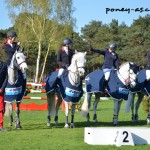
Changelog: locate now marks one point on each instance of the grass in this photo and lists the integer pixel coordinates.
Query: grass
(35, 135)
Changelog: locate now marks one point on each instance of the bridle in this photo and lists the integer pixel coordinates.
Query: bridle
(76, 73)
(128, 80)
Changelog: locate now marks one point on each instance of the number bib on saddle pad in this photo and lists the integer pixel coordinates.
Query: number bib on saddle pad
(16, 91)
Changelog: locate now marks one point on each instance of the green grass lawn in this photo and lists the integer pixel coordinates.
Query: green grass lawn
(35, 135)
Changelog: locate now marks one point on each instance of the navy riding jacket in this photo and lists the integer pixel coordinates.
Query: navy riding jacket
(110, 59)
(3, 75)
(64, 59)
(10, 51)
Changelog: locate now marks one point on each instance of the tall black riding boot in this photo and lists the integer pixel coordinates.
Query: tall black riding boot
(104, 85)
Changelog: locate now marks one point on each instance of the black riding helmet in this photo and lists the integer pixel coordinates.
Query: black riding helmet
(67, 41)
(11, 34)
(113, 46)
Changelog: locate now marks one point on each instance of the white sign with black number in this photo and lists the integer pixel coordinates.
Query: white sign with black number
(123, 137)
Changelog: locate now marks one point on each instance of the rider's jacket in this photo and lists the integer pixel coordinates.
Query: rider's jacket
(64, 59)
(10, 50)
(110, 59)
(3, 75)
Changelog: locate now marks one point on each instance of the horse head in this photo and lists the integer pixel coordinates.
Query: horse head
(19, 61)
(78, 63)
(128, 73)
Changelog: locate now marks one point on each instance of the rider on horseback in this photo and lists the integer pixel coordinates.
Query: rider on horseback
(64, 56)
(10, 46)
(111, 61)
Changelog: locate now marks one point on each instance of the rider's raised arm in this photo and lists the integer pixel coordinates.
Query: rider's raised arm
(103, 52)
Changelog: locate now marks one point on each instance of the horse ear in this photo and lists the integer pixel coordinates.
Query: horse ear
(76, 51)
(85, 53)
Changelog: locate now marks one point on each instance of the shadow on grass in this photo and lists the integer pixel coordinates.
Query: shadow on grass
(41, 126)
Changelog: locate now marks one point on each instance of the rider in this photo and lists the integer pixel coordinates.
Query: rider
(64, 56)
(3, 82)
(111, 61)
(10, 46)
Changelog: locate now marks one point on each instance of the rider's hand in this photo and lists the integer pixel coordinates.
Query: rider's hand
(1, 91)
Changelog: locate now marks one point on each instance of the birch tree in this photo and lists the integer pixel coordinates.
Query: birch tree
(40, 23)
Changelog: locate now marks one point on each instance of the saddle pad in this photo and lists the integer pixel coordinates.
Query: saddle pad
(16, 91)
(68, 92)
(94, 81)
(50, 81)
(116, 88)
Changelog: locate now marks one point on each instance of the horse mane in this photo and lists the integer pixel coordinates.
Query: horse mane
(125, 64)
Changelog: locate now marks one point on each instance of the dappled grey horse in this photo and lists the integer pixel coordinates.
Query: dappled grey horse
(118, 88)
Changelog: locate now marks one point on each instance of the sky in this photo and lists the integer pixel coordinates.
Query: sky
(99, 10)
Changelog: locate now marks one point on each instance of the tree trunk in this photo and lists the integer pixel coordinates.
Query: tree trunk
(38, 62)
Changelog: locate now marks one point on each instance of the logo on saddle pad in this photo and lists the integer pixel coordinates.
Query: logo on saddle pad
(72, 92)
(13, 91)
(123, 91)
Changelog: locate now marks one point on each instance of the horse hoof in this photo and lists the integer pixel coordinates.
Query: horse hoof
(72, 125)
(18, 126)
(48, 124)
(56, 123)
(66, 126)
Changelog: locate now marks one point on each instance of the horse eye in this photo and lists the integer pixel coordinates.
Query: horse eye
(18, 57)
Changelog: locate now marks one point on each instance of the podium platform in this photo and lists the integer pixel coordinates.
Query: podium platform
(117, 135)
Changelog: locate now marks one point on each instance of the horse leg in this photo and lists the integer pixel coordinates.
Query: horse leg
(17, 120)
(89, 95)
(137, 105)
(73, 108)
(66, 114)
(51, 107)
(97, 98)
(117, 105)
(59, 101)
(10, 110)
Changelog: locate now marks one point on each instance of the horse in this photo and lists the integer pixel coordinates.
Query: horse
(142, 89)
(70, 87)
(118, 86)
(16, 84)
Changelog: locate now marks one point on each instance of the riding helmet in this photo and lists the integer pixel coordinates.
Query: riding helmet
(113, 46)
(67, 41)
(11, 34)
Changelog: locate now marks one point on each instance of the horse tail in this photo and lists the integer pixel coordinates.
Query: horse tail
(129, 102)
(51, 103)
(84, 107)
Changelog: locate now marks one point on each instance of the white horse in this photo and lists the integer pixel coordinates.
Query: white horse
(127, 74)
(15, 89)
(72, 94)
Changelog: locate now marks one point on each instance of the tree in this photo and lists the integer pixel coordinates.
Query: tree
(41, 22)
